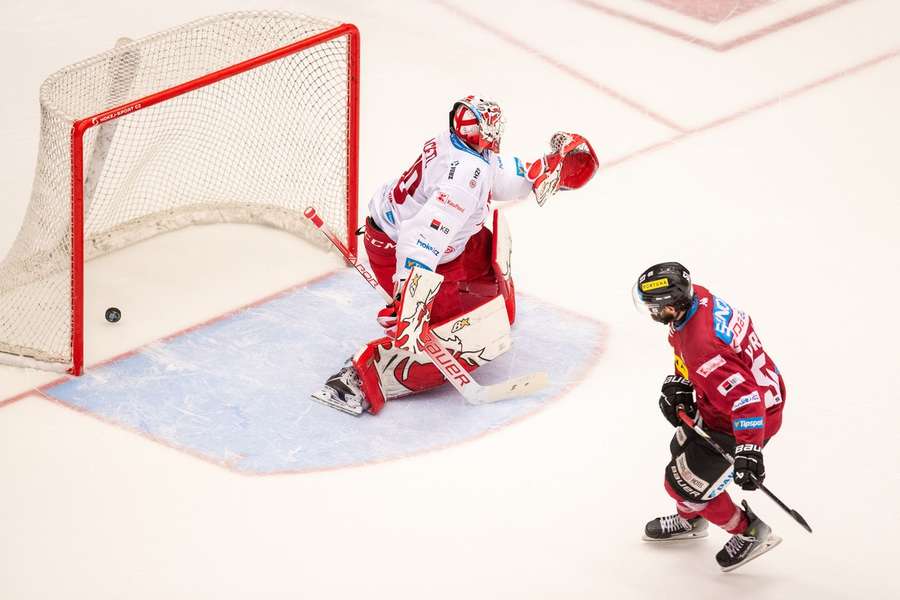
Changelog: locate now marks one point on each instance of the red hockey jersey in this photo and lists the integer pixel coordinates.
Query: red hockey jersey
(738, 388)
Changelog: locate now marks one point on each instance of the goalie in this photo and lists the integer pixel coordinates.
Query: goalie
(436, 222)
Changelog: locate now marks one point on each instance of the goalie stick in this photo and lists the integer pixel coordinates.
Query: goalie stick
(443, 359)
(696, 428)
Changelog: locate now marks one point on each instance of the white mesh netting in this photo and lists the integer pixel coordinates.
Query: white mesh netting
(256, 147)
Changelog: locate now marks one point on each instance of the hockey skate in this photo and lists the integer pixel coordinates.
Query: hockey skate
(343, 391)
(675, 527)
(754, 541)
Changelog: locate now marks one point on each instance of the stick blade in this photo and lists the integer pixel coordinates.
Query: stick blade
(799, 518)
(513, 388)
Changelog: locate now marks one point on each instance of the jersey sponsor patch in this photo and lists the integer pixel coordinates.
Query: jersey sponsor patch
(730, 325)
(427, 246)
(748, 423)
(520, 168)
(743, 401)
(711, 365)
(446, 201)
(721, 318)
(734, 380)
(411, 262)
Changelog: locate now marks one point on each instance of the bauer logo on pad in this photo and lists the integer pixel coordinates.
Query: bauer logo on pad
(655, 284)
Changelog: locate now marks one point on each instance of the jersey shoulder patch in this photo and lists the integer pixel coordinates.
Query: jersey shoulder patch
(729, 324)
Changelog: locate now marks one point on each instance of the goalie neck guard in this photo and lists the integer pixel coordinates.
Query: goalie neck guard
(477, 122)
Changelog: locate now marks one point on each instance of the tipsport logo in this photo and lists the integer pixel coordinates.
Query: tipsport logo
(745, 424)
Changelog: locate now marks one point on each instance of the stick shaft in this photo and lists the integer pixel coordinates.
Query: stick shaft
(715, 446)
(443, 359)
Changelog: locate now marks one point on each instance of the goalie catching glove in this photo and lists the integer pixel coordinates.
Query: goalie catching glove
(570, 165)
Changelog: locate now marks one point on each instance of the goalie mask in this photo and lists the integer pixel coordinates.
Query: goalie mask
(477, 122)
(662, 285)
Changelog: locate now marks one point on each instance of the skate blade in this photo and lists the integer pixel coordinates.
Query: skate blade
(689, 535)
(773, 541)
(322, 397)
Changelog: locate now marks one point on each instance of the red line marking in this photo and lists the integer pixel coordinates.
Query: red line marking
(757, 107)
(163, 442)
(603, 89)
(714, 13)
(718, 47)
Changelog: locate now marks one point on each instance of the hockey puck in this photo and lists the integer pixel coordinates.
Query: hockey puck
(113, 314)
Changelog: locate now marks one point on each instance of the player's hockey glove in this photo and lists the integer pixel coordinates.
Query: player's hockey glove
(677, 391)
(749, 469)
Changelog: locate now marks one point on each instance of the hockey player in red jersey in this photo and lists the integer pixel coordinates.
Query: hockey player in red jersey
(724, 380)
(438, 217)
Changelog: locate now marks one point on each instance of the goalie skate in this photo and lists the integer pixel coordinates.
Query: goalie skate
(343, 391)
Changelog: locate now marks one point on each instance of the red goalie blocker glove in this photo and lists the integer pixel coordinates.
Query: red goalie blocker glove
(387, 318)
(570, 165)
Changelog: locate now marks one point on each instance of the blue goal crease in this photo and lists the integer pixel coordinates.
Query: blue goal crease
(236, 391)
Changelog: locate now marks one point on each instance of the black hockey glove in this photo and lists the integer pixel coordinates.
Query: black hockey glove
(749, 469)
(677, 391)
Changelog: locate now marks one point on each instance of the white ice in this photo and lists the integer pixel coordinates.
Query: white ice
(770, 170)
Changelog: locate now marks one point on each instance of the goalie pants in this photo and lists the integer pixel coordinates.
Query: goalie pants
(470, 289)
(697, 475)
(469, 279)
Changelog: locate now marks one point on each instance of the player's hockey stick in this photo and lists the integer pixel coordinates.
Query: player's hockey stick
(443, 359)
(690, 423)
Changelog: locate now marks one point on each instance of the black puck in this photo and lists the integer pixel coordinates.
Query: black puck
(113, 314)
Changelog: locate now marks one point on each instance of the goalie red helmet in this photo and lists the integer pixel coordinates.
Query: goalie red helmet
(478, 123)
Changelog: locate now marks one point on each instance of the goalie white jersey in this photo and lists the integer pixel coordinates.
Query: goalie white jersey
(443, 199)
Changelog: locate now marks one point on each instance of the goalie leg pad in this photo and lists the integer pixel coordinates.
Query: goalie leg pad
(366, 369)
(475, 338)
(414, 312)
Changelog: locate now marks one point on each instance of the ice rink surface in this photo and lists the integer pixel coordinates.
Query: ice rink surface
(753, 141)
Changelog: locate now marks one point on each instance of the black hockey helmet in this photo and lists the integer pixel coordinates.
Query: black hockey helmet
(665, 284)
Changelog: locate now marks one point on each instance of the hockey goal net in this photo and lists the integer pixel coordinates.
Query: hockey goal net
(244, 117)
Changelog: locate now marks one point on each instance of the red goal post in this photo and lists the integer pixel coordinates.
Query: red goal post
(244, 117)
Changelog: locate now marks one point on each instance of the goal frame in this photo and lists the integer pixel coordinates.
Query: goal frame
(81, 126)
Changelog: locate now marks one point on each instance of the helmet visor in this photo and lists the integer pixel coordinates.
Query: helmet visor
(644, 304)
